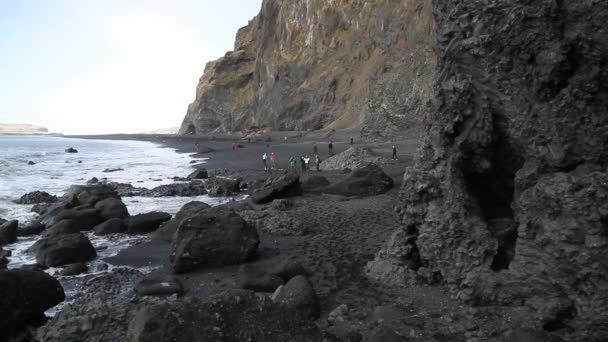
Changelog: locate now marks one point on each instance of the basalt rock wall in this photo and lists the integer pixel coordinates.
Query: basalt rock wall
(507, 202)
(321, 64)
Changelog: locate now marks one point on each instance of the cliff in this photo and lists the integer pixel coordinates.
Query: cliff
(321, 64)
(22, 129)
(507, 201)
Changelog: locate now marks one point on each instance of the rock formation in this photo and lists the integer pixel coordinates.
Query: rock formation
(321, 64)
(506, 202)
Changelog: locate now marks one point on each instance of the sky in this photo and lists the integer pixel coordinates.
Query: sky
(110, 66)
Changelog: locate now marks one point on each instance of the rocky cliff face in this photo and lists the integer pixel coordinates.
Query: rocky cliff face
(312, 64)
(508, 200)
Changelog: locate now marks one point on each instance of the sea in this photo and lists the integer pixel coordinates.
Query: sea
(143, 164)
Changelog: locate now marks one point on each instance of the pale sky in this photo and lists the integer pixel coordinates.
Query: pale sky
(110, 66)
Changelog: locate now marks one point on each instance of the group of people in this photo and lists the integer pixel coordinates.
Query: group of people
(270, 162)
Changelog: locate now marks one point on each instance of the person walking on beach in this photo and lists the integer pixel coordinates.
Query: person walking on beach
(306, 162)
(314, 148)
(318, 162)
(273, 160)
(331, 148)
(233, 146)
(293, 164)
(351, 141)
(302, 164)
(265, 161)
(394, 156)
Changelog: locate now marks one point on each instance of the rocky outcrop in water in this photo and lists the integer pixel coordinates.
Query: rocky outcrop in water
(315, 64)
(507, 200)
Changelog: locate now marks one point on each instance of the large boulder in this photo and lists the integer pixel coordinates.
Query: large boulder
(62, 227)
(367, 181)
(199, 174)
(146, 223)
(285, 186)
(84, 219)
(215, 236)
(299, 295)
(253, 278)
(315, 182)
(223, 186)
(36, 197)
(32, 228)
(167, 229)
(63, 249)
(89, 194)
(110, 208)
(24, 297)
(353, 158)
(193, 188)
(231, 316)
(111, 226)
(8, 232)
(71, 150)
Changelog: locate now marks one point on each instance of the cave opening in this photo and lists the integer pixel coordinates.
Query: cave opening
(493, 190)
(191, 130)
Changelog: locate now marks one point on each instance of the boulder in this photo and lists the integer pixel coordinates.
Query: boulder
(314, 182)
(8, 232)
(74, 269)
(159, 286)
(223, 186)
(282, 187)
(31, 163)
(32, 228)
(146, 223)
(112, 170)
(367, 181)
(193, 188)
(110, 208)
(253, 278)
(63, 249)
(230, 316)
(89, 194)
(199, 174)
(40, 208)
(275, 222)
(84, 219)
(167, 229)
(62, 227)
(24, 297)
(36, 197)
(71, 150)
(353, 158)
(111, 226)
(215, 236)
(299, 295)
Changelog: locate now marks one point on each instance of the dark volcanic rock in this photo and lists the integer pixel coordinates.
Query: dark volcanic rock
(111, 226)
(314, 182)
(159, 286)
(4, 258)
(62, 227)
(24, 297)
(167, 229)
(8, 232)
(63, 250)
(36, 197)
(299, 295)
(517, 132)
(199, 174)
(71, 150)
(194, 188)
(40, 208)
(74, 269)
(215, 236)
(83, 219)
(282, 187)
(367, 181)
(113, 170)
(223, 186)
(112, 208)
(146, 223)
(32, 228)
(253, 278)
(231, 316)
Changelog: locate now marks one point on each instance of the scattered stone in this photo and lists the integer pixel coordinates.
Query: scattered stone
(31, 163)
(219, 186)
(167, 229)
(159, 286)
(63, 250)
(299, 295)
(35, 197)
(74, 269)
(71, 150)
(32, 228)
(111, 226)
(146, 223)
(199, 174)
(230, 316)
(102, 267)
(113, 170)
(282, 187)
(215, 236)
(8, 232)
(251, 277)
(24, 297)
(93, 180)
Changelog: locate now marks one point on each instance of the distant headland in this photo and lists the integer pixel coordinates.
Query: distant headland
(25, 129)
